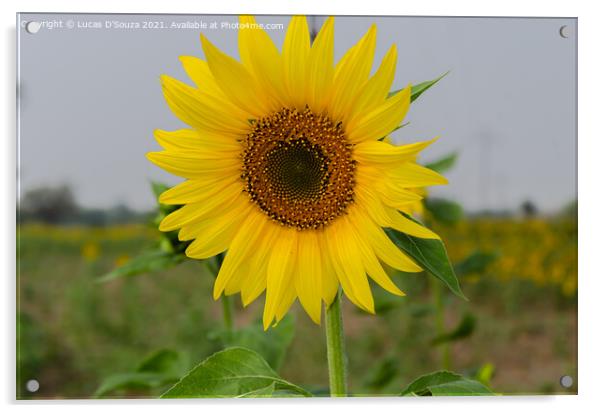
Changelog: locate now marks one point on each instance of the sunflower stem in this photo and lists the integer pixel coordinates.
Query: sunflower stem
(227, 313)
(335, 347)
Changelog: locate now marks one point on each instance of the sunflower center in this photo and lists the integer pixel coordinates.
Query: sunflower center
(298, 168)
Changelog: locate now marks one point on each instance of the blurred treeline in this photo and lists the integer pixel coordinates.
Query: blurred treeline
(58, 206)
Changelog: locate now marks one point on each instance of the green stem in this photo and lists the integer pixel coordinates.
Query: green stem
(335, 346)
(227, 313)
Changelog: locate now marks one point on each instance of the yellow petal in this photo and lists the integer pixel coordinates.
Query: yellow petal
(279, 273)
(384, 248)
(412, 175)
(250, 278)
(372, 203)
(256, 284)
(308, 277)
(373, 267)
(215, 235)
(196, 190)
(382, 120)
(348, 265)
(216, 202)
(243, 244)
(234, 285)
(234, 80)
(330, 282)
(262, 58)
(351, 73)
(295, 54)
(198, 71)
(256, 281)
(381, 188)
(215, 216)
(376, 89)
(201, 111)
(407, 226)
(413, 209)
(379, 152)
(320, 67)
(186, 139)
(286, 301)
(397, 197)
(386, 216)
(194, 164)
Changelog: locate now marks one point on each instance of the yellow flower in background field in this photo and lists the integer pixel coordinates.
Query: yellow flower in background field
(90, 251)
(541, 251)
(122, 260)
(285, 169)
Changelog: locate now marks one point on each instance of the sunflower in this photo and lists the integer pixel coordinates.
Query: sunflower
(286, 170)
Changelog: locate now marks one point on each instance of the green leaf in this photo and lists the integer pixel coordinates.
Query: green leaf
(154, 260)
(267, 391)
(398, 127)
(231, 372)
(420, 88)
(431, 255)
(271, 344)
(160, 368)
(464, 329)
(445, 383)
(158, 188)
(417, 90)
(476, 263)
(443, 164)
(394, 129)
(444, 211)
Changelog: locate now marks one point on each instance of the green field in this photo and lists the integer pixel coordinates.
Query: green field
(74, 332)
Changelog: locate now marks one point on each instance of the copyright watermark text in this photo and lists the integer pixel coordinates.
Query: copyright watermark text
(124, 24)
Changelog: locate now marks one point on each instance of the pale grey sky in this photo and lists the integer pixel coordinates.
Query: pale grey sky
(90, 99)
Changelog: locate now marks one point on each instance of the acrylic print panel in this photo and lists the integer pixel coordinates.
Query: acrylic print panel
(225, 206)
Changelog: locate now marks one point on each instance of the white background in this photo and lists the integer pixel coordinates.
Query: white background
(590, 285)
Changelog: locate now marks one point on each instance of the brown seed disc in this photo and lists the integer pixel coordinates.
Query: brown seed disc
(298, 168)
